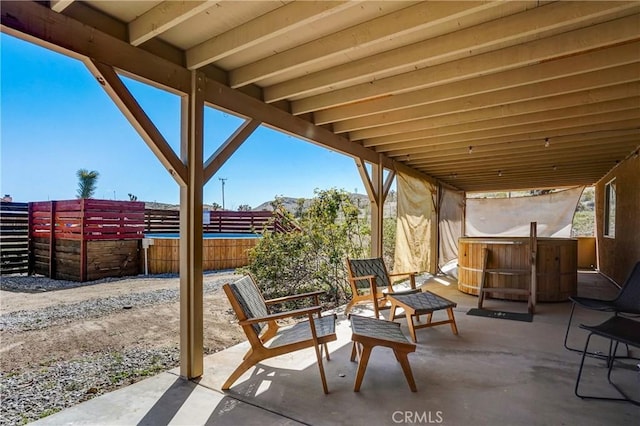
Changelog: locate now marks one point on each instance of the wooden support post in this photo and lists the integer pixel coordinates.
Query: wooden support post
(533, 241)
(377, 211)
(191, 153)
(188, 173)
(377, 189)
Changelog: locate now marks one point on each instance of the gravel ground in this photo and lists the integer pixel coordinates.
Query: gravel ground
(93, 308)
(32, 393)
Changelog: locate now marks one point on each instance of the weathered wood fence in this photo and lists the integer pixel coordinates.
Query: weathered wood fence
(218, 221)
(14, 238)
(90, 239)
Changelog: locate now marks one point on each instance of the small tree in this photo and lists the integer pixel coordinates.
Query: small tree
(132, 197)
(389, 225)
(244, 208)
(314, 257)
(86, 183)
(216, 206)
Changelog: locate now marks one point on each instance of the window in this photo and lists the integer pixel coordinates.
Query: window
(610, 209)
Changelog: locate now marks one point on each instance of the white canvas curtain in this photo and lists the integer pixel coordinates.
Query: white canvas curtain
(450, 221)
(415, 227)
(512, 216)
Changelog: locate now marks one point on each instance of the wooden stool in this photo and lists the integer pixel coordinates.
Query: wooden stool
(418, 304)
(370, 332)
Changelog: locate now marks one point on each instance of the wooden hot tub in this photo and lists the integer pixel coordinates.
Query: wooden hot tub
(557, 266)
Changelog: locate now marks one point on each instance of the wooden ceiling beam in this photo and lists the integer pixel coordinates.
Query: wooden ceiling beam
(556, 159)
(537, 185)
(570, 43)
(441, 153)
(525, 184)
(542, 21)
(163, 17)
(507, 152)
(268, 26)
(523, 176)
(421, 148)
(532, 74)
(519, 183)
(60, 5)
(412, 19)
(535, 98)
(38, 24)
(229, 99)
(474, 134)
(498, 117)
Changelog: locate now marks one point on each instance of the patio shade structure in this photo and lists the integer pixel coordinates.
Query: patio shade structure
(477, 95)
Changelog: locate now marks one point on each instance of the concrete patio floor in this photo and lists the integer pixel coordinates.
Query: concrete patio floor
(495, 372)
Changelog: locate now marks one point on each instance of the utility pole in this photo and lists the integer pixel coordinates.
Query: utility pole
(223, 180)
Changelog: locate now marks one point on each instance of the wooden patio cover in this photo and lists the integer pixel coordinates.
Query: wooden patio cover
(478, 95)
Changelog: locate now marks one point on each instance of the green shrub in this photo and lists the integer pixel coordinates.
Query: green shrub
(314, 257)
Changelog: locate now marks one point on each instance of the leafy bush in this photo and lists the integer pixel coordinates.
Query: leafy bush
(389, 225)
(314, 257)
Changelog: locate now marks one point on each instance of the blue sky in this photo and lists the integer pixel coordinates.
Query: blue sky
(56, 119)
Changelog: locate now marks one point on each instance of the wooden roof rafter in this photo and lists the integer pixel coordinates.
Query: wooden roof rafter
(415, 81)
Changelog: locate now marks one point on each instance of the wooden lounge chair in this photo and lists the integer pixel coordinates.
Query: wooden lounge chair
(266, 338)
(371, 283)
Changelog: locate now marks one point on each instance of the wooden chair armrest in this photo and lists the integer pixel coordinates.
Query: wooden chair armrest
(293, 297)
(400, 274)
(364, 277)
(281, 315)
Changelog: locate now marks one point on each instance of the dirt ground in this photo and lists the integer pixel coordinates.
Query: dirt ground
(152, 326)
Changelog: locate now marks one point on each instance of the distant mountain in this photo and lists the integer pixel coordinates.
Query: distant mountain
(291, 204)
(360, 200)
(165, 206)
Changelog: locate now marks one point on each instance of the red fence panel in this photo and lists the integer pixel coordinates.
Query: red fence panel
(87, 219)
(61, 232)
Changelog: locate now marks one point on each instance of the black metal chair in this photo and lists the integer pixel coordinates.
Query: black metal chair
(626, 302)
(619, 330)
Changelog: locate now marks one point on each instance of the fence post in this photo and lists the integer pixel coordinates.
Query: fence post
(83, 242)
(52, 239)
(31, 263)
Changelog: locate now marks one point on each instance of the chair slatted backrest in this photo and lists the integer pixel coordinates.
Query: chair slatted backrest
(628, 299)
(364, 267)
(250, 300)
